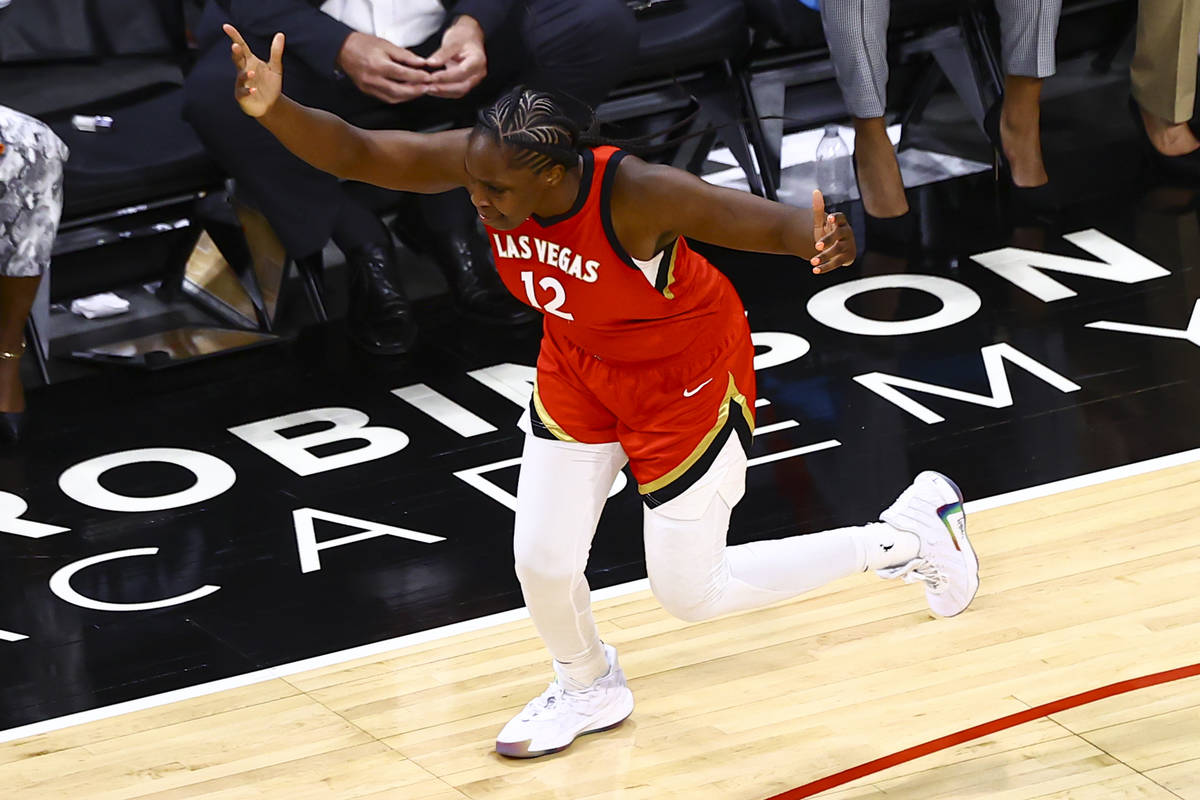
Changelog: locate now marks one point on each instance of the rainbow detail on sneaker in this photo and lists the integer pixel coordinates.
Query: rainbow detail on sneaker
(952, 516)
(932, 509)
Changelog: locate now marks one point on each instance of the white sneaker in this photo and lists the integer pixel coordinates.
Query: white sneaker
(551, 721)
(932, 509)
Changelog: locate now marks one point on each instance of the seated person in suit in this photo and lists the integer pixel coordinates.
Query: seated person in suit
(396, 63)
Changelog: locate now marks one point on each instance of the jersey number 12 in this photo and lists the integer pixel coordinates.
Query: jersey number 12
(550, 285)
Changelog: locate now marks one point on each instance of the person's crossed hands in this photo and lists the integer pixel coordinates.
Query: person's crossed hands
(461, 62)
(383, 70)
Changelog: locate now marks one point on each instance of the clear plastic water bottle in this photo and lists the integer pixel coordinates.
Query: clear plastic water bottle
(834, 175)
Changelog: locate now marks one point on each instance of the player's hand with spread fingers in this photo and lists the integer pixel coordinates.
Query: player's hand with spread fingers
(833, 238)
(259, 83)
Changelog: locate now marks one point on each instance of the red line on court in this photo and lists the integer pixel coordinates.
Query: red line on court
(932, 746)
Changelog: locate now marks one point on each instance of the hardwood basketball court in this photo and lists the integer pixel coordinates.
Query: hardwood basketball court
(1080, 589)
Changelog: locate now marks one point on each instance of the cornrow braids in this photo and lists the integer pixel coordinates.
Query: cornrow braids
(545, 129)
(536, 125)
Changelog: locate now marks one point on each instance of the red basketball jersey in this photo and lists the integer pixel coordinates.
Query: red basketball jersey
(592, 293)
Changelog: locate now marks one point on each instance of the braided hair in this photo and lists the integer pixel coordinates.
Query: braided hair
(544, 129)
(539, 127)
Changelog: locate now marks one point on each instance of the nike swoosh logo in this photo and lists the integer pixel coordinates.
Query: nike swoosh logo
(687, 393)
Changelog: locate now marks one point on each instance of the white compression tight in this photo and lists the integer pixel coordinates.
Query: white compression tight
(561, 492)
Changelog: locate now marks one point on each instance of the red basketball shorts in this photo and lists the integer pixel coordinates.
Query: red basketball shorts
(671, 416)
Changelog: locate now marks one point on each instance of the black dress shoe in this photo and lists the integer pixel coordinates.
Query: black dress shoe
(464, 257)
(12, 424)
(1186, 166)
(379, 317)
(466, 261)
(1042, 199)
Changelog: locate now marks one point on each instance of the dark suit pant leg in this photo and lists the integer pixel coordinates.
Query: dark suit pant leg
(300, 202)
(583, 47)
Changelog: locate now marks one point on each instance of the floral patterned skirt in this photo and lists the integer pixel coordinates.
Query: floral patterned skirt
(31, 175)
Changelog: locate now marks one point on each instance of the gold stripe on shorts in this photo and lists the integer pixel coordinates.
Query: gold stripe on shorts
(547, 420)
(732, 395)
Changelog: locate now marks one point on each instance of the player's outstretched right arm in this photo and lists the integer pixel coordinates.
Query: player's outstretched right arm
(403, 160)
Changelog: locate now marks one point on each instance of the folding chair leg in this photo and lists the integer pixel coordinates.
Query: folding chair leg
(739, 144)
(723, 104)
(960, 69)
(311, 269)
(170, 288)
(981, 49)
(766, 135)
(249, 281)
(693, 152)
(926, 85)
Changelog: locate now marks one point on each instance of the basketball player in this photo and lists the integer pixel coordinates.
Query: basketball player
(646, 358)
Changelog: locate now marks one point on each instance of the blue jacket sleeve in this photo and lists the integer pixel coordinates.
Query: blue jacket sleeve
(312, 35)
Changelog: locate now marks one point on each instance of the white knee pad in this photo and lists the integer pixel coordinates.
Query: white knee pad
(685, 538)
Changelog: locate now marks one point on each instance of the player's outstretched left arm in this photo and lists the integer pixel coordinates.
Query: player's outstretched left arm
(654, 204)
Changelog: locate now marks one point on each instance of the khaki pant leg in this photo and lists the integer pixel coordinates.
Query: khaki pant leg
(1163, 71)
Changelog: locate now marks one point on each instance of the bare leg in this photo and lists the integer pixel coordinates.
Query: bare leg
(16, 298)
(878, 171)
(1020, 135)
